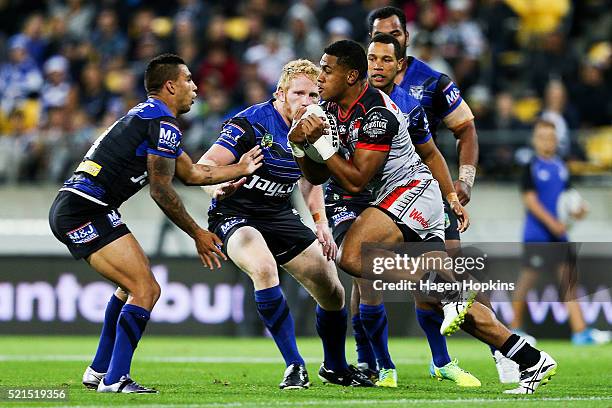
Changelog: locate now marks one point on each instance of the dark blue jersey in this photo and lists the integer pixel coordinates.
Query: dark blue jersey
(115, 167)
(269, 189)
(548, 178)
(436, 93)
(418, 128)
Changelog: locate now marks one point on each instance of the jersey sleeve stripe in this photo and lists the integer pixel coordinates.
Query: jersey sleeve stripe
(165, 154)
(373, 146)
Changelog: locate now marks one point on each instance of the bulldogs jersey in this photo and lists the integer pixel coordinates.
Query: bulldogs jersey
(115, 167)
(437, 94)
(269, 189)
(375, 122)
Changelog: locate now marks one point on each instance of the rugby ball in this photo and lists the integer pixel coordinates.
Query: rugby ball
(331, 134)
(569, 202)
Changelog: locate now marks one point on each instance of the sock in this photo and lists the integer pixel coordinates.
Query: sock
(374, 320)
(365, 354)
(132, 322)
(331, 327)
(430, 321)
(518, 350)
(274, 312)
(107, 337)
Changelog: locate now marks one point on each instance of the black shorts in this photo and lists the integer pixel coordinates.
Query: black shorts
(285, 234)
(84, 226)
(547, 256)
(341, 215)
(450, 224)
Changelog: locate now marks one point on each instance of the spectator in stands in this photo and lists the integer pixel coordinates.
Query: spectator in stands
(57, 89)
(557, 111)
(94, 98)
(77, 14)
(338, 28)
(20, 78)
(270, 57)
(461, 42)
(591, 95)
(305, 38)
(425, 49)
(36, 44)
(352, 10)
(110, 42)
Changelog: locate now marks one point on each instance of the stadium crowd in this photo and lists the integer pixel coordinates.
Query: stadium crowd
(69, 69)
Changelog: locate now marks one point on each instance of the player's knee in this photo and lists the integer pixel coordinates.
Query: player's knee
(349, 262)
(264, 272)
(146, 292)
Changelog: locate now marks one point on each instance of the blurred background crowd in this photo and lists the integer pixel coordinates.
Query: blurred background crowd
(70, 68)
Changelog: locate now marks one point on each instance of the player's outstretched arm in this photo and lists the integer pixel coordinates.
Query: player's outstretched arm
(203, 174)
(432, 157)
(161, 172)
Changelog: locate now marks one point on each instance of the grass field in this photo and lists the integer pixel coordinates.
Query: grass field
(230, 372)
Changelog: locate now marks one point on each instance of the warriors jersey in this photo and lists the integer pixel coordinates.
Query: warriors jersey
(115, 167)
(375, 122)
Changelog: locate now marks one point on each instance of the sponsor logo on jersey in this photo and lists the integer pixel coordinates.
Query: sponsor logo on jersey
(114, 218)
(169, 137)
(267, 140)
(270, 188)
(416, 91)
(89, 167)
(229, 224)
(337, 219)
(446, 221)
(142, 179)
(452, 94)
(83, 234)
(231, 133)
(376, 125)
(418, 217)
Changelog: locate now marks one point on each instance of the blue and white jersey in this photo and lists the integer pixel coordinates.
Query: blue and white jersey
(115, 166)
(548, 178)
(436, 93)
(269, 189)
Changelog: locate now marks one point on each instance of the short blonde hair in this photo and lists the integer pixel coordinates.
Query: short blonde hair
(294, 68)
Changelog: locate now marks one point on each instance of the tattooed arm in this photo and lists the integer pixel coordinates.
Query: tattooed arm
(203, 174)
(161, 172)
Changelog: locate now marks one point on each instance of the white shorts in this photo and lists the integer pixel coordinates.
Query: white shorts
(416, 205)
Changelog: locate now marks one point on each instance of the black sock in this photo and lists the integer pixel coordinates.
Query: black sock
(518, 350)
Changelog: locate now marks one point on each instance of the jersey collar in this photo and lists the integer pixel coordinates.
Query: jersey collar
(160, 105)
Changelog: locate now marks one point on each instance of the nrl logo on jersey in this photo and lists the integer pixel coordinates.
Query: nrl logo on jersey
(267, 140)
(416, 91)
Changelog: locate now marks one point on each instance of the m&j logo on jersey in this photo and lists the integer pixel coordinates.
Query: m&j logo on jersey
(83, 234)
(232, 222)
(114, 218)
(169, 137)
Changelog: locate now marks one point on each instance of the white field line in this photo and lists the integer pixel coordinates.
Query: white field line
(374, 402)
(178, 359)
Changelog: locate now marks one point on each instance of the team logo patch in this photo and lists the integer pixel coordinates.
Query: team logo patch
(231, 223)
(416, 91)
(169, 137)
(267, 140)
(114, 219)
(446, 221)
(83, 234)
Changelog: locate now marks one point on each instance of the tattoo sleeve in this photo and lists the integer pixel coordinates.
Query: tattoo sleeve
(161, 172)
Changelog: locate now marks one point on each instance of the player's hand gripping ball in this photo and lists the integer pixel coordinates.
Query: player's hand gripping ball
(330, 133)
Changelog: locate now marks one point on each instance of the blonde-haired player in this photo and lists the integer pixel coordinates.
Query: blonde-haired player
(261, 230)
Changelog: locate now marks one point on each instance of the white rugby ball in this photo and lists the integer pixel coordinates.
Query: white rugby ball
(569, 202)
(331, 134)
